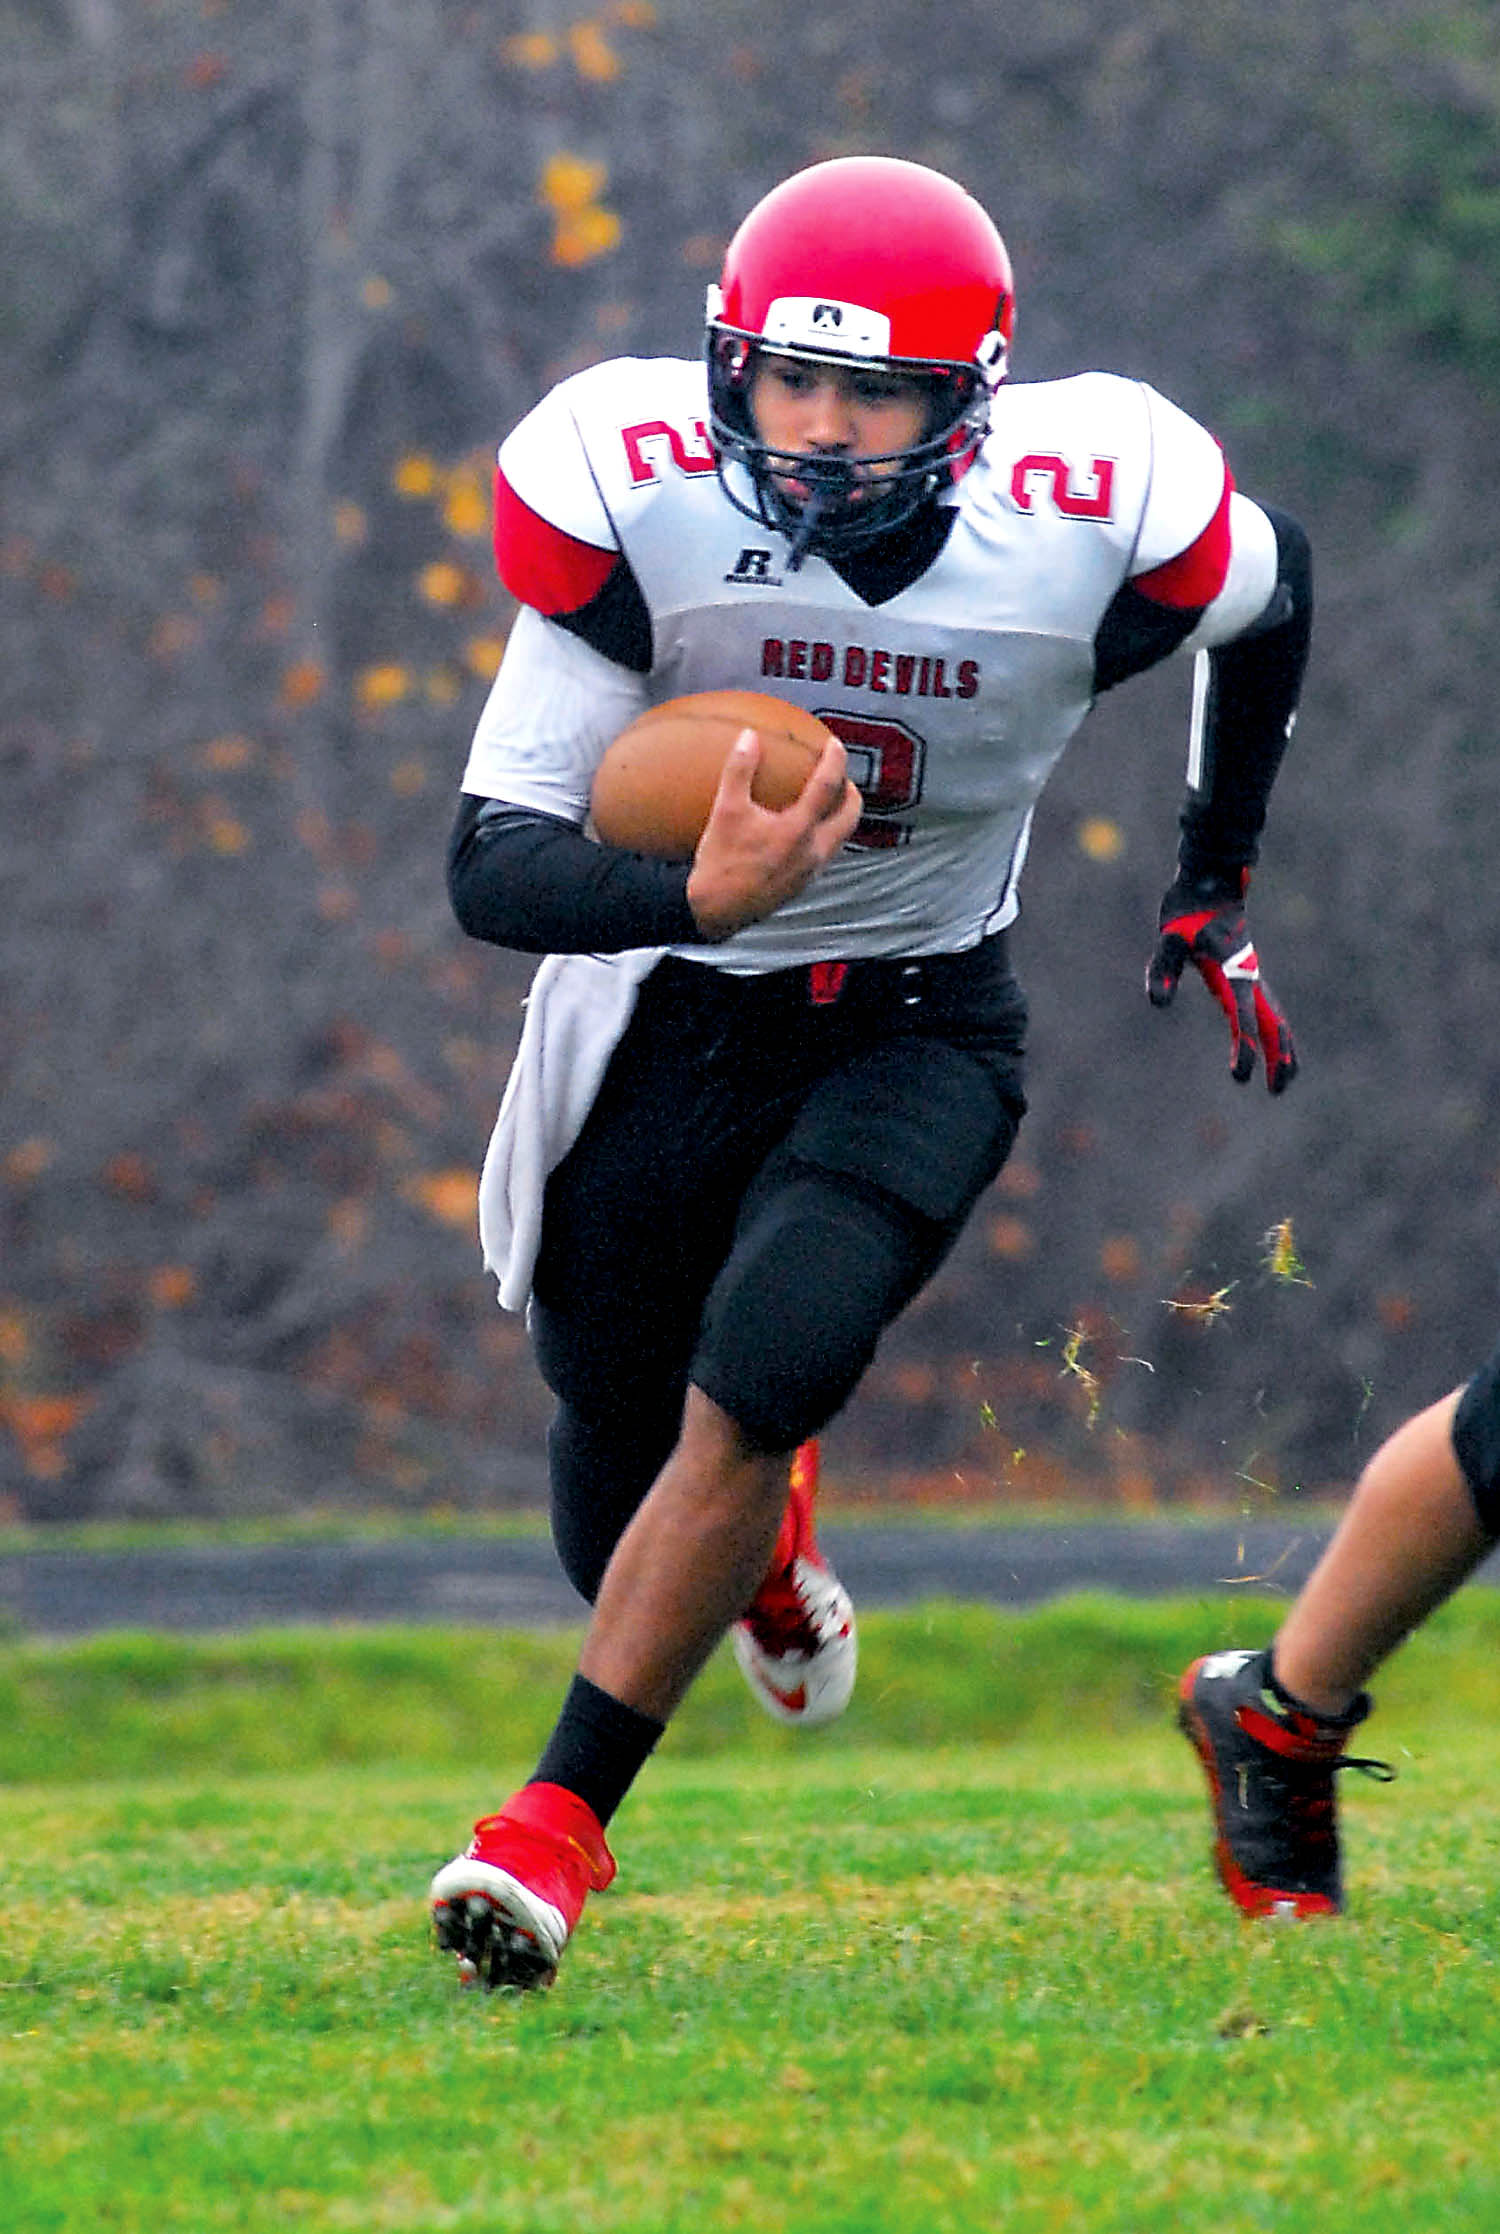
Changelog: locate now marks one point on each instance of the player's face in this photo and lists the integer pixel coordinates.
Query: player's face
(804, 409)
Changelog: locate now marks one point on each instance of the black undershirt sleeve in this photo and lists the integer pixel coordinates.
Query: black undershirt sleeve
(1135, 633)
(615, 621)
(1253, 687)
(1254, 684)
(537, 884)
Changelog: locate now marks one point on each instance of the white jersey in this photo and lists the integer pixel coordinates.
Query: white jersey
(954, 697)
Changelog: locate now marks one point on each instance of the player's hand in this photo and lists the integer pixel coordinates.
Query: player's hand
(1203, 922)
(752, 859)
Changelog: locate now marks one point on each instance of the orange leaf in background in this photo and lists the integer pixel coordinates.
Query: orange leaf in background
(1020, 1180)
(206, 70)
(335, 902)
(593, 56)
(350, 523)
(15, 1340)
(467, 510)
(129, 1176)
(171, 1286)
(377, 293)
(570, 182)
(637, 15)
(1120, 1257)
(276, 614)
(43, 1416)
(1010, 1239)
(205, 589)
(530, 50)
(442, 686)
(38, 1424)
(226, 833)
(225, 755)
(482, 655)
(569, 186)
(415, 475)
(452, 1197)
(445, 582)
(174, 633)
(381, 686)
(302, 684)
(408, 777)
(28, 1160)
(583, 234)
(1101, 839)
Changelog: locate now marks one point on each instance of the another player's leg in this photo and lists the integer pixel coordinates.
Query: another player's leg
(1270, 1769)
(1270, 1727)
(796, 1644)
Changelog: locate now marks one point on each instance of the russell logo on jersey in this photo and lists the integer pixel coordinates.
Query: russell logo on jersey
(754, 565)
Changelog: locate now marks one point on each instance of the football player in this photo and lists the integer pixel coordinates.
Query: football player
(759, 1092)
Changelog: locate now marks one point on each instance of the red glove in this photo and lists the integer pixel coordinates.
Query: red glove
(1203, 922)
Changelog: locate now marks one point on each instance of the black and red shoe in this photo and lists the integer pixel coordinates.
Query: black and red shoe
(1270, 1770)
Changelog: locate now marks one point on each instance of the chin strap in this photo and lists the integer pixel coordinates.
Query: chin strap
(807, 527)
(832, 480)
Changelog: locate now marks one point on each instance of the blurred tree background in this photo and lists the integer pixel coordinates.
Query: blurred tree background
(276, 280)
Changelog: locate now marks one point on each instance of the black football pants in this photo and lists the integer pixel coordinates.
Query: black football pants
(772, 1169)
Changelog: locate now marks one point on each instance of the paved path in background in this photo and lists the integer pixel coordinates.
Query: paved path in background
(497, 1582)
(492, 1581)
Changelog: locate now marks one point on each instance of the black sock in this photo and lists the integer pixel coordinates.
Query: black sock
(598, 1747)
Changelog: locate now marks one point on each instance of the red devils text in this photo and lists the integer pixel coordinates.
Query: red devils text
(867, 667)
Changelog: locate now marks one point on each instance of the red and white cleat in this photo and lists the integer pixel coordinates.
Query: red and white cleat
(507, 1905)
(796, 1645)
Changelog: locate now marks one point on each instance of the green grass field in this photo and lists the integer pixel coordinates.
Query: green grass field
(956, 1963)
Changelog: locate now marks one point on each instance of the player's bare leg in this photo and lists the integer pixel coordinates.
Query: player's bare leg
(1410, 1536)
(685, 1568)
(688, 1564)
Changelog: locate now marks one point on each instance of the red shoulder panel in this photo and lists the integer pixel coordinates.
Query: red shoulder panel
(1196, 576)
(539, 563)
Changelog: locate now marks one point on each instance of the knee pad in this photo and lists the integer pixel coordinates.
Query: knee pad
(793, 1321)
(1476, 1442)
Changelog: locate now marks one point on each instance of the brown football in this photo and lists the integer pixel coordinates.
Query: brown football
(656, 783)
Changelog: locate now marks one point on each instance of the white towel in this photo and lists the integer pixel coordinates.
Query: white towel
(576, 1011)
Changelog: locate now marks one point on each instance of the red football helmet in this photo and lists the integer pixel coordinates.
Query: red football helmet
(871, 262)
